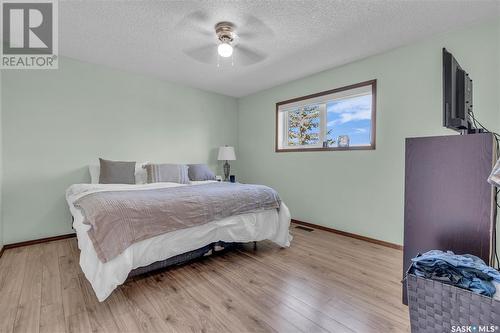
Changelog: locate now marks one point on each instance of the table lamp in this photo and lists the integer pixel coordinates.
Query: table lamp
(226, 153)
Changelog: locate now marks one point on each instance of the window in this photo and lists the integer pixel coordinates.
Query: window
(338, 119)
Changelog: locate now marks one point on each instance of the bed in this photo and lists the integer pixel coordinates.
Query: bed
(105, 274)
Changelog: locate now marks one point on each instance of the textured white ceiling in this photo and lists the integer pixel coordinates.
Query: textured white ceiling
(295, 38)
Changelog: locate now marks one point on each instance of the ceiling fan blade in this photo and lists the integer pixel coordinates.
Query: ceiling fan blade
(197, 16)
(206, 54)
(247, 35)
(198, 21)
(203, 31)
(253, 27)
(247, 57)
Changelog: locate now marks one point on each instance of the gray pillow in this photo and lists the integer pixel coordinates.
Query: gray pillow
(199, 172)
(172, 173)
(116, 172)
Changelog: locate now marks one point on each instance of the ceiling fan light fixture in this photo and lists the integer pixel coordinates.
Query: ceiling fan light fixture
(225, 50)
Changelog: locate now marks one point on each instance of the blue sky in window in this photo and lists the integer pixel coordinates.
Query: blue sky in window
(350, 116)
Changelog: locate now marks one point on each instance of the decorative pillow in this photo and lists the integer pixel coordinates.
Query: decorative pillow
(140, 173)
(171, 173)
(199, 172)
(116, 172)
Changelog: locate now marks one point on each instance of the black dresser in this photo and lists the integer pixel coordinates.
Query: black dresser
(449, 205)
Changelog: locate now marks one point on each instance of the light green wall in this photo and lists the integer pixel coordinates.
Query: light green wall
(56, 122)
(1, 165)
(363, 191)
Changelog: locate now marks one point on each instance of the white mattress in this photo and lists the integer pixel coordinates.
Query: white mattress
(105, 277)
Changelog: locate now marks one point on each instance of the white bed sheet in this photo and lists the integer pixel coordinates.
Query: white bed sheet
(105, 277)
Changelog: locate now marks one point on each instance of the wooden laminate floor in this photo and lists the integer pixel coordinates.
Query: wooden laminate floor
(322, 283)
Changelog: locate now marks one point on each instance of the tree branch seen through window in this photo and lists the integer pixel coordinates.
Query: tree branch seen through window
(303, 126)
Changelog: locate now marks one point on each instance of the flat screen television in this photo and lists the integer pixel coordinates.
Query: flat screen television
(457, 95)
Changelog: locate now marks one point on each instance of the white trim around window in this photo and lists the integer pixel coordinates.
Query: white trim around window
(302, 135)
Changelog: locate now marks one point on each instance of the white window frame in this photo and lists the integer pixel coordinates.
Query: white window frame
(322, 99)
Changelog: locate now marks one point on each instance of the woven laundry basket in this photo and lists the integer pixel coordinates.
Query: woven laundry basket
(436, 307)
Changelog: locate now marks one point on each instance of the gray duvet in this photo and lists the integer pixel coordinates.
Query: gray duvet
(119, 219)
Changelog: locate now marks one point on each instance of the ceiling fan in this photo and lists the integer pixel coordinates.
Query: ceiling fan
(229, 42)
(225, 34)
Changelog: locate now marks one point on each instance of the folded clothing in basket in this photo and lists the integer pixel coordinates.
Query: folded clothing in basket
(464, 271)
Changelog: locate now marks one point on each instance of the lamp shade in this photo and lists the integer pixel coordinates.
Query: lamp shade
(494, 178)
(226, 154)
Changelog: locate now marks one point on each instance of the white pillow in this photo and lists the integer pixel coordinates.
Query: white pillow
(95, 171)
(141, 175)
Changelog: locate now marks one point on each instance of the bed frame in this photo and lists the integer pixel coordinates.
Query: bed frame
(184, 258)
